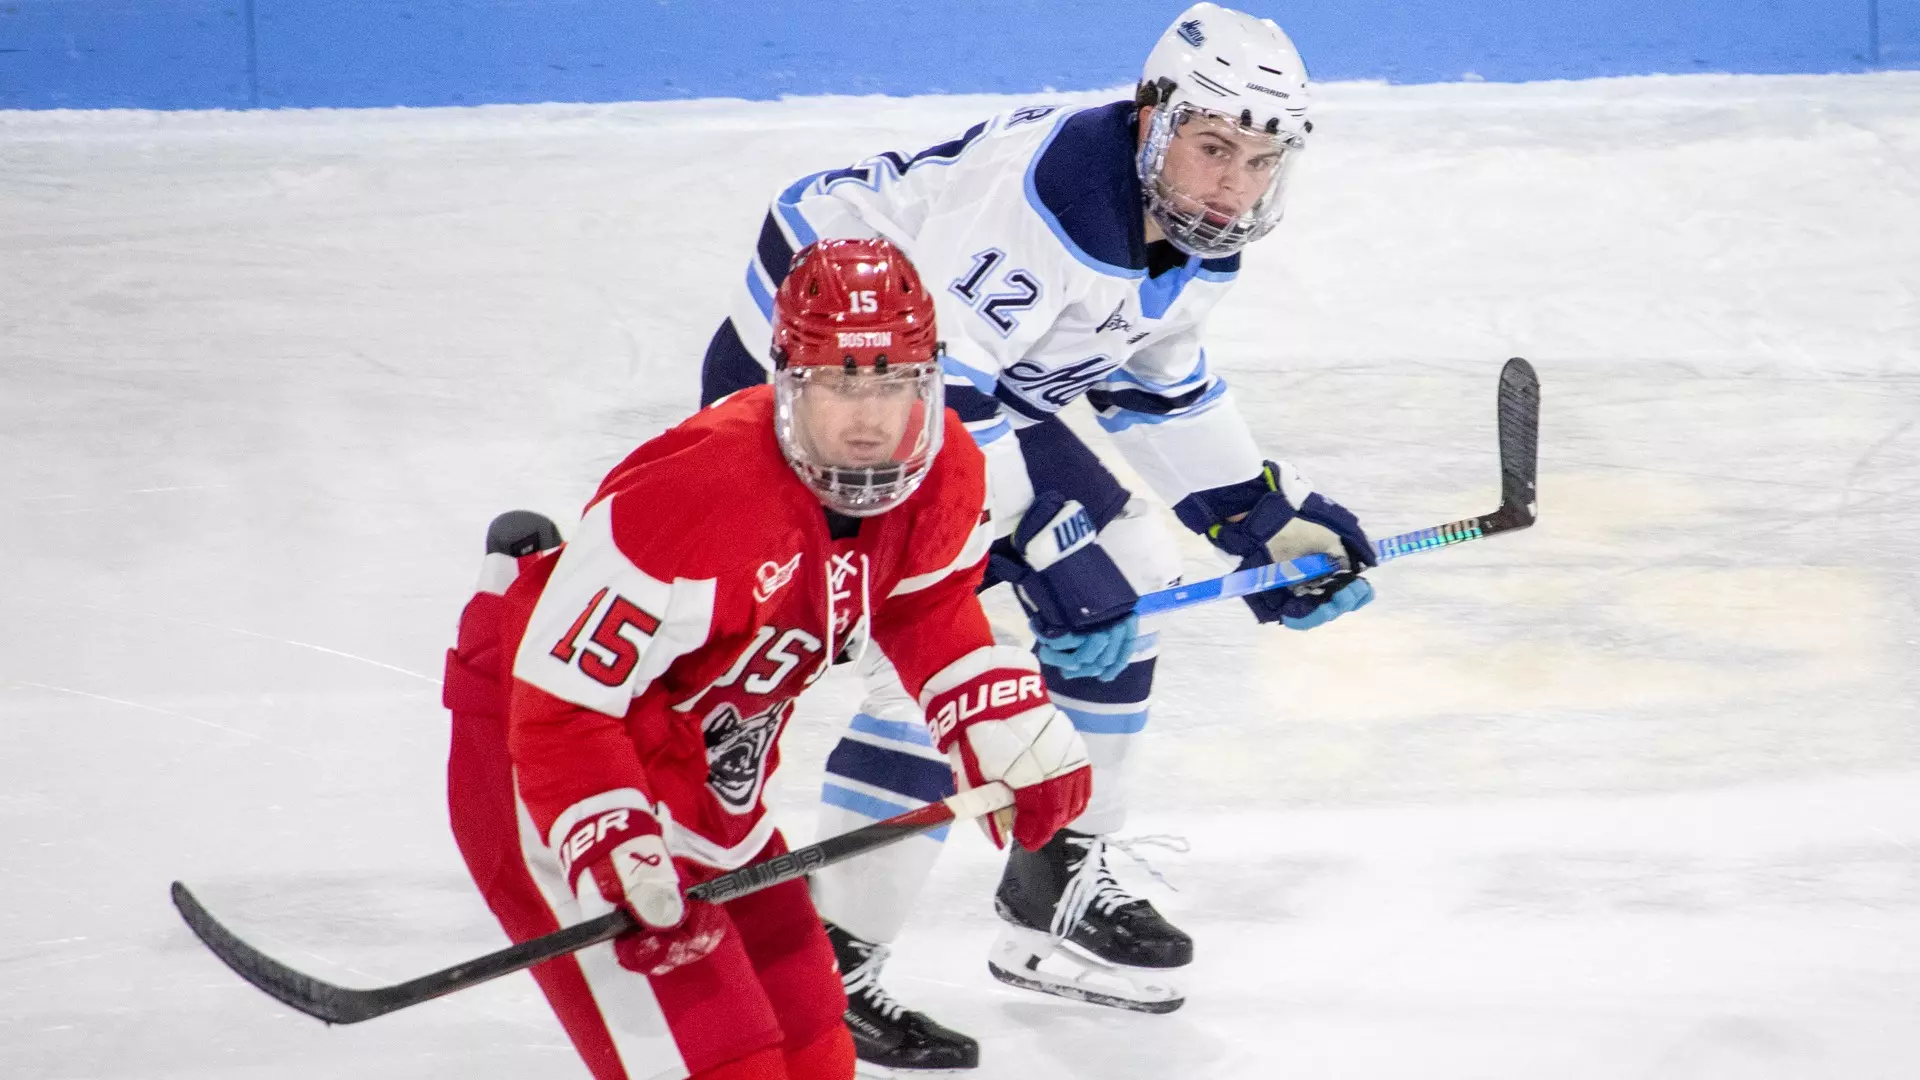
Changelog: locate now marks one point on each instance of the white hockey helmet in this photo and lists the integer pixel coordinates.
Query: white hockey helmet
(1232, 69)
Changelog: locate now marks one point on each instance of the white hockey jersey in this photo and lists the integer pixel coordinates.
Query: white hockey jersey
(1030, 231)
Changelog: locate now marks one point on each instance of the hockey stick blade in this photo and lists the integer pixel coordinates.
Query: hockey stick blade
(1518, 419)
(1519, 427)
(344, 1005)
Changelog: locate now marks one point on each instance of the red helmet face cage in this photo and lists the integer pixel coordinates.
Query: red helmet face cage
(857, 382)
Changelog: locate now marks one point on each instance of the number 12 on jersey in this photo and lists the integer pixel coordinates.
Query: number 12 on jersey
(1002, 308)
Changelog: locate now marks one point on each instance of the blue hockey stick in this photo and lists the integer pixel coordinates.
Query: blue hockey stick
(1519, 426)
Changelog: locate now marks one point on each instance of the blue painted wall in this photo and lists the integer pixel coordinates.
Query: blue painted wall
(245, 53)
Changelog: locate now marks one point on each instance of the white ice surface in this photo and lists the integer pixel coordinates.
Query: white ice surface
(1634, 794)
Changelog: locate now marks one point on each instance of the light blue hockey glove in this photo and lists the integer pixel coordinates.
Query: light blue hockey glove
(1353, 596)
(1100, 654)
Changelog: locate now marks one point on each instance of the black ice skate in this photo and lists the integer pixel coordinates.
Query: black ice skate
(890, 1039)
(1076, 933)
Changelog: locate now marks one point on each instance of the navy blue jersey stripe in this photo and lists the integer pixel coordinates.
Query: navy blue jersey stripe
(1144, 401)
(1058, 461)
(1131, 686)
(901, 773)
(728, 366)
(776, 255)
(1087, 180)
(1019, 404)
(971, 405)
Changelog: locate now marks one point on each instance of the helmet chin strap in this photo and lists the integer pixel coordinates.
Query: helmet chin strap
(1154, 232)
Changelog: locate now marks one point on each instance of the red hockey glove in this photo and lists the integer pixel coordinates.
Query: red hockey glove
(618, 858)
(991, 716)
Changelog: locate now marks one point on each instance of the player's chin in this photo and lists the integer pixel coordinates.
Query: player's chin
(871, 458)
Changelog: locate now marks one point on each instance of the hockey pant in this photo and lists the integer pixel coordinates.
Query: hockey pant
(885, 762)
(765, 1005)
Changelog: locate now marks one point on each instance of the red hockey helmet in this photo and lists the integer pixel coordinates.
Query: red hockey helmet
(857, 384)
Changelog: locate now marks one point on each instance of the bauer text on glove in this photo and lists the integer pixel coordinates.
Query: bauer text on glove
(990, 714)
(616, 856)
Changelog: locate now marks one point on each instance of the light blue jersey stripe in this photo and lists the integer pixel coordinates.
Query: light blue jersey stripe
(868, 806)
(762, 299)
(982, 381)
(787, 204)
(899, 731)
(994, 433)
(1093, 723)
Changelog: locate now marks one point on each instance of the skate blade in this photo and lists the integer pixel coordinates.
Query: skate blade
(895, 1072)
(1019, 959)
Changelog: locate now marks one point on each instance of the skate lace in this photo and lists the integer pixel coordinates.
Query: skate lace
(1093, 886)
(864, 981)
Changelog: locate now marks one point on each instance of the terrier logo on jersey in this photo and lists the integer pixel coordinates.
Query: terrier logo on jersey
(1191, 33)
(737, 754)
(866, 339)
(773, 576)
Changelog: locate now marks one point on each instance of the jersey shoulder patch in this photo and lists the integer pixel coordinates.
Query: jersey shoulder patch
(603, 628)
(1083, 184)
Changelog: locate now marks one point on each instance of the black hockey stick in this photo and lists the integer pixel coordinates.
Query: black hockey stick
(343, 1005)
(1518, 422)
(1519, 426)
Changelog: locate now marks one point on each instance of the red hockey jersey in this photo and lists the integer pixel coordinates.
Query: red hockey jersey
(700, 595)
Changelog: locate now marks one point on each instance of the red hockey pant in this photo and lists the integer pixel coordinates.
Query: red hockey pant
(765, 1005)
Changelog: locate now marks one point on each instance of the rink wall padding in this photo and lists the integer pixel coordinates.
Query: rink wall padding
(173, 54)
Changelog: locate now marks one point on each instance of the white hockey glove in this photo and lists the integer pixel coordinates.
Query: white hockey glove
(990, 714)
(618, 857)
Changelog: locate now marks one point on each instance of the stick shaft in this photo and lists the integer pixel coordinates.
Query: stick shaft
(343, 1005)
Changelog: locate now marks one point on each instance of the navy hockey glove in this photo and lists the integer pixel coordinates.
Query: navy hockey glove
(1260, 521)
(1078, 602)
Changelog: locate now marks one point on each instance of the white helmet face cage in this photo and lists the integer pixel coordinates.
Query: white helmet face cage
(861, 438)
(1188, 221)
